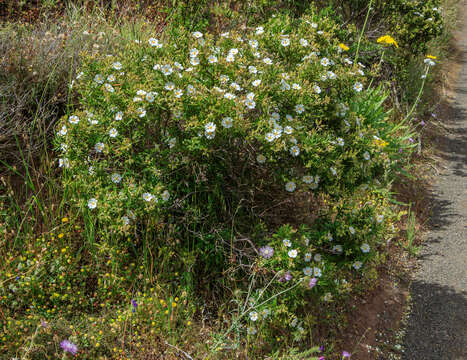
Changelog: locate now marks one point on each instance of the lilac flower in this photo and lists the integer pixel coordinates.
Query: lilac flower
(68, 346)
(312, 284)
(321, 358)
(266, 252)
(321, 348)
(422, 122)
(134, 304)
(345, 354)
(286, 277)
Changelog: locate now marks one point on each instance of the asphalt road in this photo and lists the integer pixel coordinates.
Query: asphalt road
(437, 326)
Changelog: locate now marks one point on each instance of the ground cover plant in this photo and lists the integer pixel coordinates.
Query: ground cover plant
(228, 185)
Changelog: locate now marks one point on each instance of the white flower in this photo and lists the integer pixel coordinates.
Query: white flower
(296, 86)
(166, 70)
(169, 86)
(210, 135)
(259, 30)
(352, 230)
(141, 92)
(117, 65)
(303, 42)
(270, 137)
(358, 87)
(109, 87)
(230, 58)
(190, 89)
(308, 271)
(197, 35)
(116, 178)
(299, 108)
(119, 116)
(194, 52)
(99, 147)
(141, 112)
(150, 97)
(317, 257)
(256, 82)
(261, 158)
(63, 147)
(65, 163)
(293, 253)
(357, 265)
(212, 59)
(365, 248)
(317, 271)
(285, 42)
(147, 197)
(165, 195)
(126, 220)
(287, 242)
(227, 122)
(251, 331)
(333, 171)
(253, 43)
(295, 150)
(194, 61)
(250, 104)
(325, 62)
(223, 78)
(290, 186)
(113, 132)
(307, 179)
(229, 96)
(366, 155)
(154, 42)
(91, 170)
(330, 238)
(73, 119)
(328, 297)
(252, 69)
(233, 51)
(99, 79)
(379, 219)
(92, 203)
(340, 142)
(307, 257)
(267, 61)
(253, 316)
(337, 249)
(210, 127)
(178, 93)
(288, 130)
(331, 75)
(316, 89)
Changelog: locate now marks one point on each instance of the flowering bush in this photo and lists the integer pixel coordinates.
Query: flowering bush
(233, 137)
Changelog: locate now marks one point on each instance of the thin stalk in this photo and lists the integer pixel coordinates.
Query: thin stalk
(363, 30)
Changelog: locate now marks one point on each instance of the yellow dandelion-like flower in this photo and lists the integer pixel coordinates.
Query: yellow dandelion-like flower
(432, 57)
(64, 220)
(387, 40)
(344, 47)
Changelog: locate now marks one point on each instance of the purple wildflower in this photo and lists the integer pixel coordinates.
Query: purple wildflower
(321, 358)
(266, 252)
(422, 122)
(134, 304)
(44, 324)
(286, 277)
(312, 284)
(345, 354)
(68, 346)
(321, 348)
(411, 140)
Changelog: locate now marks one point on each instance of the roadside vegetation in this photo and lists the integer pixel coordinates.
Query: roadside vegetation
(206, 180)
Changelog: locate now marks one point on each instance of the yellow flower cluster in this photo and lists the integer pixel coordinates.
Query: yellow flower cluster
(387, 40)
(343, 47)
(380, 143)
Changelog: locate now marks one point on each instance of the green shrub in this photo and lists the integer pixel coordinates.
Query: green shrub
(227, 139)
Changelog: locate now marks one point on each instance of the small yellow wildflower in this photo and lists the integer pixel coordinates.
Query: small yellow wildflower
(64, 220)
(387, 40)
(432, 57)
(344, 47)
(60, 235)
